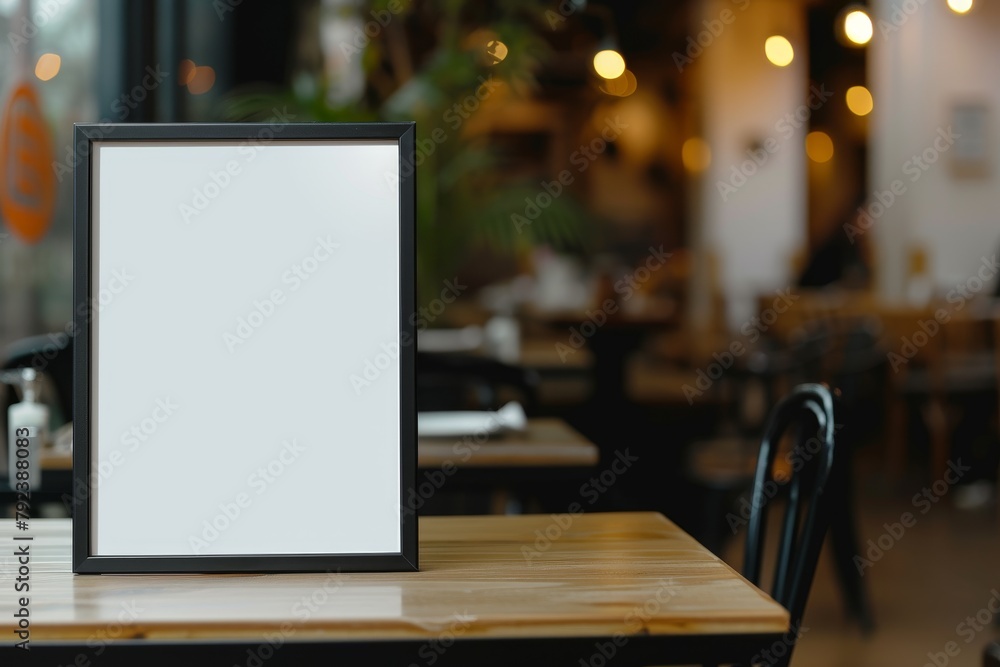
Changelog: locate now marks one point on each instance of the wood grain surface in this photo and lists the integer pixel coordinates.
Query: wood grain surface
(507, 576)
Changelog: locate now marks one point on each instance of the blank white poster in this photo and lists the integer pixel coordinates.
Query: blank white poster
(238, 288)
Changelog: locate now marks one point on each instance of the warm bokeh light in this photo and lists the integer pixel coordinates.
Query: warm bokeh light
(859, 100)
(858, 27)
(47, 66)
(960, 6)
(819, 147)
(641, 144)
(696, 155)
(623, 86)
(609, 64)
(185, 72)
(496, 51)
(202, 80)
(779, 50)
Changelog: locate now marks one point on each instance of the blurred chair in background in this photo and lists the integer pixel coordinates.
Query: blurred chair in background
(51, 355)
(916, 379)
(454, 381)
(940, 362)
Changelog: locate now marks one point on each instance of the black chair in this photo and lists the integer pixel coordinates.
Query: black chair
(855, 356)
(453, 381)
(857, 390)
(722, 466)
(810, 500)
(51, 354)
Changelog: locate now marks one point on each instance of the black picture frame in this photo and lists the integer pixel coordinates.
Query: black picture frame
(88, 139)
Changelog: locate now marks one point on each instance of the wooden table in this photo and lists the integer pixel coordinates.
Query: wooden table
(543, 466)
(612, 337)
(57, 480)
(548, 448)
(53, 460)
(490, 591)
(546, 443)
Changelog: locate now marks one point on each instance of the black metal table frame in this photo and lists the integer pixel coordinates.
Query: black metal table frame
(632, 651)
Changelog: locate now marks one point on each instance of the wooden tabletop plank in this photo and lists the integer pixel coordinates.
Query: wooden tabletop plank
(554, 353)
(56, 460)
(496, 577)
(545, 443)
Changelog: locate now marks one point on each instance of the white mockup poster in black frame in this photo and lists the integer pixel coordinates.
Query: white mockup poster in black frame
(230, 282)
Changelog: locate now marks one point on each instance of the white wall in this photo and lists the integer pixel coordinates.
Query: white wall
(935, 59)
(754, 231)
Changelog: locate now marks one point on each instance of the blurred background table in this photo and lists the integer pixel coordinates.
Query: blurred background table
(546, 443)
(540, 467)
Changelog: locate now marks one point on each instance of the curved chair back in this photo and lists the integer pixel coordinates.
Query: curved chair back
(808, 409)
(51, 354)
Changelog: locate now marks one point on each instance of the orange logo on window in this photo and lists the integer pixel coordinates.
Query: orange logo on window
(27, 182)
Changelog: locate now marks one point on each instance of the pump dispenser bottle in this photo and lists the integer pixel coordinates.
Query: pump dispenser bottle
(28, 424)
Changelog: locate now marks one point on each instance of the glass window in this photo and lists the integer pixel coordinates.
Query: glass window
(52, 46)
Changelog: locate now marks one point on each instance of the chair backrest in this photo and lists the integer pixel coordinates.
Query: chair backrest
(452, 381)
(808, 409)
(51, 354)
(808, 350)
(908, 345)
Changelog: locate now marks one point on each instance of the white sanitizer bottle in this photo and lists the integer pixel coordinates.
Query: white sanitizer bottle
(28, 427)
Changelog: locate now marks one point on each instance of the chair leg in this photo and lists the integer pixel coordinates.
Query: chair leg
(845, 547)
(937, 426)
(997, 491)
(843, 540)
(715, 537)
(896, 438)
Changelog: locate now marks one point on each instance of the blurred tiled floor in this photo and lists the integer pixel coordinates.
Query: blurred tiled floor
(941, 571)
